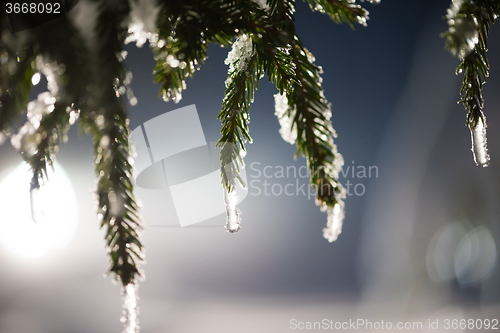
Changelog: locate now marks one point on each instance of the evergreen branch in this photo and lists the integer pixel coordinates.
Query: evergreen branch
(109, 127)
(248, 60)
(475, 74)
(185, 30)
(304, 115)
(303, 111)
(276, 58)
(16, 69)
(117, 206)
(52, 130)
(244, 73)
(341, 11)
(469, 23)
(59, 65)
(311, 120)
(279, 66)
(282, 11)
(73, 61)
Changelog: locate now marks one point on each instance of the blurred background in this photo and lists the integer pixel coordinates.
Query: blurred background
(421, 234)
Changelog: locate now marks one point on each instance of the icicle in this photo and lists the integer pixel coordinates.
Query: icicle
(334, 224)
(130, 319)
(237, 59)
(479, 148)
(37, 206)
(233, 213)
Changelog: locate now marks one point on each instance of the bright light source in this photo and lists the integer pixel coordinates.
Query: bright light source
(55, 204)
(35, 79)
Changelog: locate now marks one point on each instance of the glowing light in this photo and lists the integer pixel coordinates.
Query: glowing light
(35, 79)
(18, 232)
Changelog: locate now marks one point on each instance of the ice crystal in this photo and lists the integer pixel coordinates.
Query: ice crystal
(454, 8)
(334, 222)
(285, 115)
(143, 16)
(479, 147)
(73, 116)
(27, 139)
(172, 94)
(42, 105)
(51, 72)
(237, 58)
(262, 3)
(137, 34)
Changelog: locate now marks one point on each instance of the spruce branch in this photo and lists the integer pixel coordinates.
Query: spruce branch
(304, 114)
(68, 67)
(341, 11)
(311, 121)
(301, 102)
(244, 73)
(118, 209)
(60, 108)
(185, 30)
(40, 146)
(109, 127)
(250, 58)
(302, 109)
(16, 69)
(469, 23)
